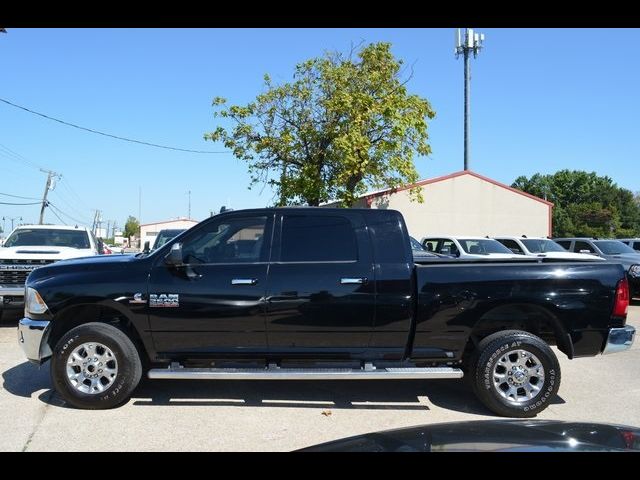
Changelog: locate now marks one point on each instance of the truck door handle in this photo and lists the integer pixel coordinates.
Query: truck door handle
(244, 281)
(353, 280)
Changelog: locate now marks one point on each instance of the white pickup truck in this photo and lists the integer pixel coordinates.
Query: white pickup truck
(31, 246)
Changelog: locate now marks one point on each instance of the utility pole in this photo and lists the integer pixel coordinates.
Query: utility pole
(50, 176)
(467, 42)
(94, 225)
(12, 220)
(189, 193)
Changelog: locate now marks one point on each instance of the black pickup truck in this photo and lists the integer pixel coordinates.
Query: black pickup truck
(315, 293)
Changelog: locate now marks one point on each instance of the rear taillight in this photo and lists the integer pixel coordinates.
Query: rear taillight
(622, 299)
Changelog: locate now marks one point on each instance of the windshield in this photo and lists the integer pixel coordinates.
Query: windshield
(165, 235)
(613, 247)
(415, 245)
(542, 246)
(483, 246)
(48, 237)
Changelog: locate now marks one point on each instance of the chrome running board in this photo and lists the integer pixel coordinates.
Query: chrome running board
(275, 373)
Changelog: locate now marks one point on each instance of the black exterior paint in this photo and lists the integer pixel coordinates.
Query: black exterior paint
(404, 311)
(493, 436)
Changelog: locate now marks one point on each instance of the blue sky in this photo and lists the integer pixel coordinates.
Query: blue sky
(542, 100)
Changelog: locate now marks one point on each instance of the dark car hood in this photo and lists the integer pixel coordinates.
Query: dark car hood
(101, 262)
(492, 435)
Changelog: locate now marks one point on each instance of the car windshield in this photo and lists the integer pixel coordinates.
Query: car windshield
(483, 246)
(613, 247)
(415, 245)
(48, 237)
(542, 245)
(165, 235)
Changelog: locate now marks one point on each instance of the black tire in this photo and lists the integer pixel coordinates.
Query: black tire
(494, 348)
(129, 367)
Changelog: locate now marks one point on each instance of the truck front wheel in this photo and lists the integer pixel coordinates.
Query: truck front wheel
(95, 366)
(515, 373)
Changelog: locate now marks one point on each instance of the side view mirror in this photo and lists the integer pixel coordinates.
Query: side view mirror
(585, 251)
(445, 251)
(174, 257)
(146, 248)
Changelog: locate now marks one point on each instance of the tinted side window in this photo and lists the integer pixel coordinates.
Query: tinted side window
(231, 240)
(430, 245)
(317, 239)
(448, 244)
(388, 239)
(636, 245)
(512, 245)
(566, 244)
(582, 246)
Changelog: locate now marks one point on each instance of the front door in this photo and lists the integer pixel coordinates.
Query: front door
(215, 302)
(321, 297)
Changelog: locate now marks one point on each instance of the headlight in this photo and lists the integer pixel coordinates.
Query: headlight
(33, 303)
(634, 271)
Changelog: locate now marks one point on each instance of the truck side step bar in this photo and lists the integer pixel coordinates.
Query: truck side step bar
(276, 373)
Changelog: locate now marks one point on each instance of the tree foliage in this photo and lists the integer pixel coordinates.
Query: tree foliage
(345, 123)
(585, 204)
(132, 227)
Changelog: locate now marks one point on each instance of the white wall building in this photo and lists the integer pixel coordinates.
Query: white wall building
(466, 203)
(149, 231)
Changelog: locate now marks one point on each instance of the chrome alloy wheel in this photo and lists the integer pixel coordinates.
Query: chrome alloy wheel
(92, 368)
(518, 376)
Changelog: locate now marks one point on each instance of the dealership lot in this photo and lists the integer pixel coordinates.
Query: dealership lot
(258, 415)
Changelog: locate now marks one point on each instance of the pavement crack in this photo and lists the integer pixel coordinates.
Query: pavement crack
(47, 403)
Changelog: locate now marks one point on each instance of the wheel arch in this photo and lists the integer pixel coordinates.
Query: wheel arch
(529, 317)
(103, 312)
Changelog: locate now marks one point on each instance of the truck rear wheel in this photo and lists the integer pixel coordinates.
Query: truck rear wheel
(515, 373)
(95, 366)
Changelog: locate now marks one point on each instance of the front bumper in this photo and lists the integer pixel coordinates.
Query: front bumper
(619, 339)
(12, 291)
(32, 336)
(11, 297)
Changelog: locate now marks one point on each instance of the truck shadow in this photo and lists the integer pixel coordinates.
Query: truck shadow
(26, 379)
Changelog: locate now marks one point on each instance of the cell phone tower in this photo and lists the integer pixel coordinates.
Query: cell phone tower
(467, 42)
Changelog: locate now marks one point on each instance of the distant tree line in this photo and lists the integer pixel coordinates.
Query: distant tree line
(586, 204)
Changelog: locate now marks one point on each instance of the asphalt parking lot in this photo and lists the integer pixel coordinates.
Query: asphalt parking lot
(280, 416)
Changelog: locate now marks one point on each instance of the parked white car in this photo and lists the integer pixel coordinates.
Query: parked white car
(467, 247)
(541, 247)
(31, 246)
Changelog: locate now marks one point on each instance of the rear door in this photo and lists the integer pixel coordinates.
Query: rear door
(320, 298)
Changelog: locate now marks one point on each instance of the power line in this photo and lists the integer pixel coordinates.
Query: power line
(65, 183)
(68, 204)
(53, 211)
(18, 196)
(11, 155)
(8, 203)
(108, 134)
(65, 214)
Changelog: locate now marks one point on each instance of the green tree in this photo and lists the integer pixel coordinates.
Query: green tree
(585, 204)
(345, 123)
(132, 227)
